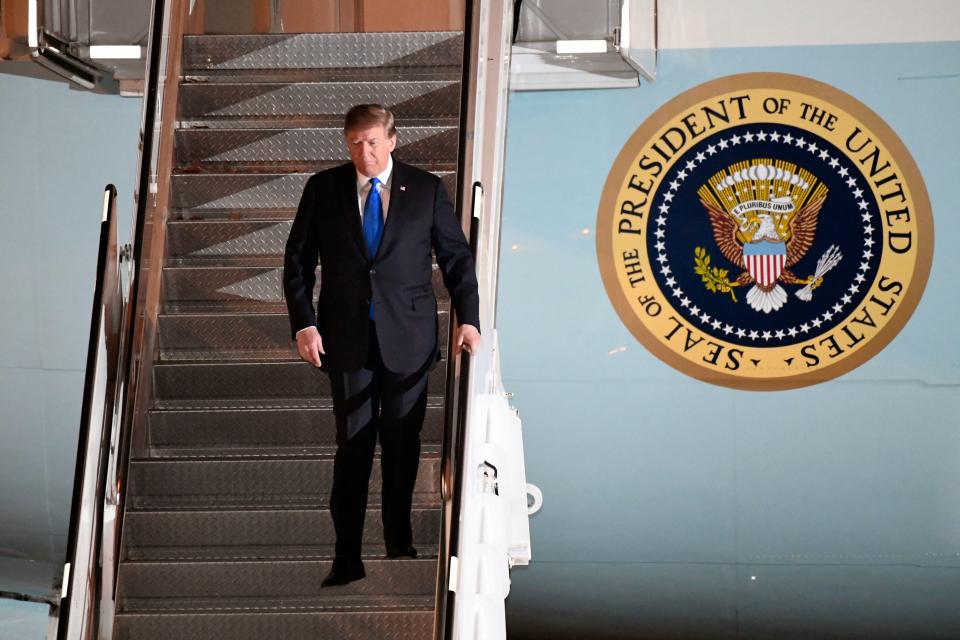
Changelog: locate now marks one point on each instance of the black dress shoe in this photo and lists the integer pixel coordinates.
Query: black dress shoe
(406, 552)
(343, 572)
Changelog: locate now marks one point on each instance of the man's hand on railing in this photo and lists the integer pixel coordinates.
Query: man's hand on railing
(310, 345)
(468, 339)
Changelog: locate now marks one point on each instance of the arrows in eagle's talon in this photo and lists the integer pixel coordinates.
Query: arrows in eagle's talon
(830, 258)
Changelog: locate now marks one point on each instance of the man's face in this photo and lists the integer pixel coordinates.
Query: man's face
(370, 149)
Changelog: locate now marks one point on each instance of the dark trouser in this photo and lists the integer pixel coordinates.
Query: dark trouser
(368, 402)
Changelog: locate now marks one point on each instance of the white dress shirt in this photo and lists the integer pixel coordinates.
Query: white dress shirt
(363, 191)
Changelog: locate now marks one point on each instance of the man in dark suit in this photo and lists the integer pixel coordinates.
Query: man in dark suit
(372, 224)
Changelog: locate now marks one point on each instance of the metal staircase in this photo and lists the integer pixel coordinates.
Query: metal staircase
(227, 532)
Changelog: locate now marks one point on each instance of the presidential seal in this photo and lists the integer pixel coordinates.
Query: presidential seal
(764, 231)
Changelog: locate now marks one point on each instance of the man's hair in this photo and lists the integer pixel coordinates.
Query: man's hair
(364, 116)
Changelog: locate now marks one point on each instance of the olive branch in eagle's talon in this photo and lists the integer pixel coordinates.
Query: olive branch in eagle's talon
(714, 278)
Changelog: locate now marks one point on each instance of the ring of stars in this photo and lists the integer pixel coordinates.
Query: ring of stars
(740, 332)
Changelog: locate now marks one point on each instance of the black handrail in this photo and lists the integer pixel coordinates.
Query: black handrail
(151, 87)
(458, 369)
(454, 457)
(122, 362)
(458, 366)
(94, 347)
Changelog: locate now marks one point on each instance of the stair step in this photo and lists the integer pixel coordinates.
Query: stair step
(240, 336)
(229, 382)
(258, 480)
(269, 578)
(269, 121)
(262, 427)
(196, 147)
(209, 286)
(344, 603)
(241, 524)
(232, 452)
(442, 73)
(434, 98)
(211, 239)
(322, 50)
(258, 552)
(233, 192)
(300, 618)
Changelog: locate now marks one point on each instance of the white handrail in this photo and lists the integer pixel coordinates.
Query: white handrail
(494, 531)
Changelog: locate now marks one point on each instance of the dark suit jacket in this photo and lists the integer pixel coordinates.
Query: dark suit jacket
(328, 228)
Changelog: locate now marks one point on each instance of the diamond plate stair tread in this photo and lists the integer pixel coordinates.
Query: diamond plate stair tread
(444, 72)
(270, 121)
(409, 99)
(322, 50)
(207, 241)
(214, 287)
(289, 623)
(252, 167)
(295, 603)
(243, 524)
(274, 578)
(216, 238)
(258, 479)
(259, 215)
(244, 403)
(228, 192)
(232, 502)
(250, 380)
(259, 427)
(260, 552)
(415, 145)
(239, 336)
(262, 452)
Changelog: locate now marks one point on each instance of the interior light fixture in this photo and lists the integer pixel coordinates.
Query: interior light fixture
(581, 46)
(115, 52)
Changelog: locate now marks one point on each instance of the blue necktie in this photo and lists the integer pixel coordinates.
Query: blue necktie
(373, 222)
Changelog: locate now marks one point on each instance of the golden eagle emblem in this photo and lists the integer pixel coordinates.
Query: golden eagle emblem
(764, 217)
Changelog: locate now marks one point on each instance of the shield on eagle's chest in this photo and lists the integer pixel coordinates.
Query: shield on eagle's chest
(765, 261)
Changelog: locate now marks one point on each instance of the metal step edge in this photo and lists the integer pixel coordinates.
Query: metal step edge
(254, 315)
(334, 604)
(275, 168)
(177, 307)
(263, 214)
(197, 76)
(203, 503)
(265, 553)
(259, 167)
(332, 128)
(240, 404)
(453, 77)
(222, 316)
(192, 39)
(248, 122)
(147, 505)
(427, 452)
(250, 561)
(179, 355)
(174, 354)
(244, 363)
(322, 404)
